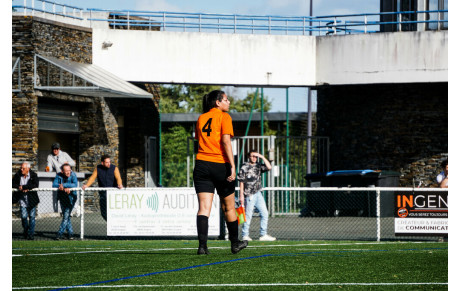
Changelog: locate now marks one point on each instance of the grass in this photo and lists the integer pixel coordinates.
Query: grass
(280, 265)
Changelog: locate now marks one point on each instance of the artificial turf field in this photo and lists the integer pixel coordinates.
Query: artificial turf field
(279, 265)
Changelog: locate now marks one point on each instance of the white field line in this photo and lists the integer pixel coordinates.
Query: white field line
(237, 285)
(108, 250)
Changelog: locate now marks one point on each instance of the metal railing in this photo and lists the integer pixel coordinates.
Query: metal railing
(246, 24)
(316, 214)
(47, 7)
(270, 24)
(289, 168)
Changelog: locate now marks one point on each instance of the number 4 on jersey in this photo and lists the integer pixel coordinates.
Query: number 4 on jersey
(207, 127)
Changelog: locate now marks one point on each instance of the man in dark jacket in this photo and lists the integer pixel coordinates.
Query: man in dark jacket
(25, 180)
(108, 176)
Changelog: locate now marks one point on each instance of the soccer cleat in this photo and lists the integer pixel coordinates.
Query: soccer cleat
(238, 246)
(203, 251)
(267, 238)
(247, 238)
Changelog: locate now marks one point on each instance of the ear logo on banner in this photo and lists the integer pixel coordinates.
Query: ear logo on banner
(152, 202)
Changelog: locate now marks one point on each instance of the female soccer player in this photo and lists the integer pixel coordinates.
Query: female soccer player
(215, 168)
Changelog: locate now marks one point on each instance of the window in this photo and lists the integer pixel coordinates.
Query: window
(435, 5)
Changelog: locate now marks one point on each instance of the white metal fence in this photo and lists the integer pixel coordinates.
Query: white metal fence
(295, 213)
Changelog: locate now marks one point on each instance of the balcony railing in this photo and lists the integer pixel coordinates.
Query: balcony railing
(244, 24)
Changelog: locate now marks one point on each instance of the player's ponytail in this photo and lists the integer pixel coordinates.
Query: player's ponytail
(209, 100)
(205, 103)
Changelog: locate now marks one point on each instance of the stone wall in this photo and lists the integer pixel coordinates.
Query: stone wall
(30, 36)
(24, 103)
(399, 127)
(99, 118)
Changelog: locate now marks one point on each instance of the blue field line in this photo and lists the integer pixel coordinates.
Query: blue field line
(235, 260)
(162, 272)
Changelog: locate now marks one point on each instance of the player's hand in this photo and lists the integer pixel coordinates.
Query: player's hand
(232, 175)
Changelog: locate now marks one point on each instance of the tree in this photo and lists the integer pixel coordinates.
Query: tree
(188, 99)
(245, 105)
(184, 99)
(174, 154)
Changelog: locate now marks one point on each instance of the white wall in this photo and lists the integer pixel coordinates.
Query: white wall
(395, 57)
(178, 57)
(237, 59)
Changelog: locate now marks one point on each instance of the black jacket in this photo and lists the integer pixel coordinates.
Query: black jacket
(31, 184)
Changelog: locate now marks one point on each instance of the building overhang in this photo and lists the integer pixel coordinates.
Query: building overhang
(236, 116)
(70, 77)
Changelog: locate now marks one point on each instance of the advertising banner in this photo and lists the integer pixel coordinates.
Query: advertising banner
(159, 212)
(422, 213)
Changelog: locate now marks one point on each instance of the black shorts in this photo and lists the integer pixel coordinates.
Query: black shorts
(208, 176)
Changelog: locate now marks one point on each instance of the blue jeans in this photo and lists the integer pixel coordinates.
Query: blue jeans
(66, 224)
(28, 224)
(255, 201)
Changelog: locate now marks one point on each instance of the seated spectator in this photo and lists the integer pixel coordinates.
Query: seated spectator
(57, 158)
(442, 178)
(25, 180)
(64, 181)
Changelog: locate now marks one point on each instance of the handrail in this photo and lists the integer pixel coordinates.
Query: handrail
(49, 2)
(63, 5)
(244, 23)
(240, 23)
(44, 9)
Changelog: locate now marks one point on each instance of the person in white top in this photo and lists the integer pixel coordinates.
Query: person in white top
(57, 158)
(442, 178)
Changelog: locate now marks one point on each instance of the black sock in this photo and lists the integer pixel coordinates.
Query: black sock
(233, 230)
(202, 229)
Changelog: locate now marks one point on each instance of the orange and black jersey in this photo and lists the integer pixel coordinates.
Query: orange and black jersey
(209, 130)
